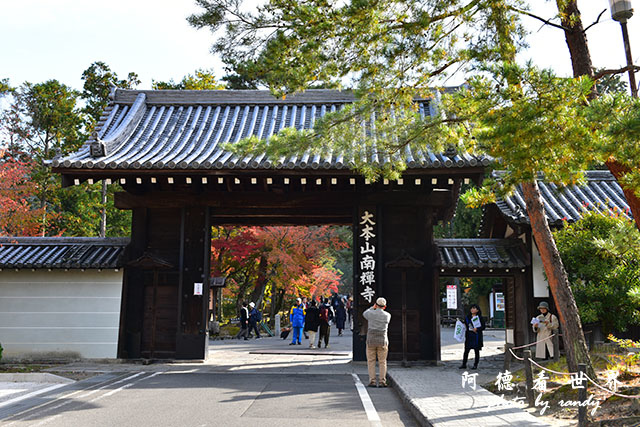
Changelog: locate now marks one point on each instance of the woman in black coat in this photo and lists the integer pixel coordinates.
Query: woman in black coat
(341, 317)
(473, 337)
(312, 321)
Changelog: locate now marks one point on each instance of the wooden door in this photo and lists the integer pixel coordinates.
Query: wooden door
(159, 326)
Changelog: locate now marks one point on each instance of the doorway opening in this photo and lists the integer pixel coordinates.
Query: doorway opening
(268, 268)
(457, 294)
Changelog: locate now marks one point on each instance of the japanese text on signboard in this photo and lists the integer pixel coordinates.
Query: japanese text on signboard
(367, 240)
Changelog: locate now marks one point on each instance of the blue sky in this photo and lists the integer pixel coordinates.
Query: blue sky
(45, 39)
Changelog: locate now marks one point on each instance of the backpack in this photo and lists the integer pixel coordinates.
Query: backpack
(258, 316)
(324, 314)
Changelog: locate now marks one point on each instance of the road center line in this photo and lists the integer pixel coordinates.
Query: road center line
(32, 394)
(369, 409)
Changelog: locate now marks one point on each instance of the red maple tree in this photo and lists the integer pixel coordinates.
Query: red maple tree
(18, 215)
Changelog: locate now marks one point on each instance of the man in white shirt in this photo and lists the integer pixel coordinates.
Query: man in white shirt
(377, 341)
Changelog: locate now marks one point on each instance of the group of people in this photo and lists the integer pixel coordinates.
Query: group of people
(311, 317)
(250, 317)
(543, 325)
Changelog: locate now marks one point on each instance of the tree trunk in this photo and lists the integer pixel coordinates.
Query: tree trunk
(575, 37)
(581, 64)
(103, 210)
(574, 342)
(618, 170)
(272, 309)
(261, 282)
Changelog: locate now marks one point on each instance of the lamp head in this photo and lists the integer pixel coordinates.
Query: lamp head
(621, 10)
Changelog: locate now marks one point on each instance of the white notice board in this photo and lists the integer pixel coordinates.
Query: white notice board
(197, 288)
(452, 297)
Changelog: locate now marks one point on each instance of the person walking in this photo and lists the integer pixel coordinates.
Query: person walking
(544, 325)
(350, 311)
(326, 315)
(312, 322)
(341, 317)
(305, 305)
(474, 325)
(254, 318)
(244, 322)
(297, 321)
(377, 341)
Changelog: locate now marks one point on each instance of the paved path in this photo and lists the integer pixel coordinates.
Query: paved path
(268, 382)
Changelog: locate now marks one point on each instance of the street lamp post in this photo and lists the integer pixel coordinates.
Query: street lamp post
(621, 10)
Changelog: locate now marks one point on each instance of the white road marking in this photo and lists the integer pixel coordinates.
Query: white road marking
(111, 393)
(369, 409)
(28, 395)
(66, 401)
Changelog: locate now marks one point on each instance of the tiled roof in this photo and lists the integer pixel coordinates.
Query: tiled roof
(170, 129)
(481, 254)
(62, 252)
(601, 192)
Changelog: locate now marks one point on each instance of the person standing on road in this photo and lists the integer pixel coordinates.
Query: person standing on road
(297, 321)
(254, 318)
(305, 305)
(544, 326)
(474, 324)
(244, 322)
(326, 315)
(341, 317)
(350, 311)
(377, 341)
(312, 322)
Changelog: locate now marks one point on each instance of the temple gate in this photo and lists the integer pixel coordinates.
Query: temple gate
(166, 150)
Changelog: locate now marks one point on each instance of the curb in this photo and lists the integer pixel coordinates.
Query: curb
(34, 377)
(408, 402)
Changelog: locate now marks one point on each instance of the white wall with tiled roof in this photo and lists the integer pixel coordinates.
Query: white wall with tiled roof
(50, 315)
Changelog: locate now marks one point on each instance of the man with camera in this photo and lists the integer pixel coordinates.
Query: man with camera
(377, 341)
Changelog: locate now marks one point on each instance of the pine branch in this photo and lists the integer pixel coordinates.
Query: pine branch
(609, 72)
(596, 21)
(545, 21)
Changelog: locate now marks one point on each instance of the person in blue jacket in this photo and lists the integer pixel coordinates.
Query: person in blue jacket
(297, 321)
(474, 324)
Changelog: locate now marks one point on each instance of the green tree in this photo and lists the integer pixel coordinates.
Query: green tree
(602, 255)
(465, 223)
(201, 79)
(42, 121)
(4, 87)
(99, 81)
(395, 52)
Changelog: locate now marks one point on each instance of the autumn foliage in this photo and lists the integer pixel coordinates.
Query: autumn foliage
(18, 216)
(272, 265)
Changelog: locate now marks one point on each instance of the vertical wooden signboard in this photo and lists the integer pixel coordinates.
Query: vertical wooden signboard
(367, 277)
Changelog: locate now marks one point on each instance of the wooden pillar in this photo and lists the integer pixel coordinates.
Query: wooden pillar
(132, 290)
(521, 311)
(195, 230)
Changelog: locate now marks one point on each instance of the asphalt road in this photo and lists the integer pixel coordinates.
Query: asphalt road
(179, 398)
(243, 383)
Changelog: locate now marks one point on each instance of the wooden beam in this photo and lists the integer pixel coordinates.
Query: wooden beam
(286, 220)
(332, 199)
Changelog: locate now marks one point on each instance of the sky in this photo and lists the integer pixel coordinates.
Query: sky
(58, 39)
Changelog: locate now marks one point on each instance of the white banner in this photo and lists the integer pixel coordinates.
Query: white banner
(452, 297)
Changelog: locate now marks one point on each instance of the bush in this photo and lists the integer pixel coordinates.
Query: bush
(601, 253)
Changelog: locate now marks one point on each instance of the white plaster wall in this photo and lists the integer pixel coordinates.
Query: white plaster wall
(59, 314)
(540, 284)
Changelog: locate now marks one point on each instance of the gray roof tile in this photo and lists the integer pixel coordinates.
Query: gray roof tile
(601, 193)
(481, 254)
(62, 252)
(170, 129)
